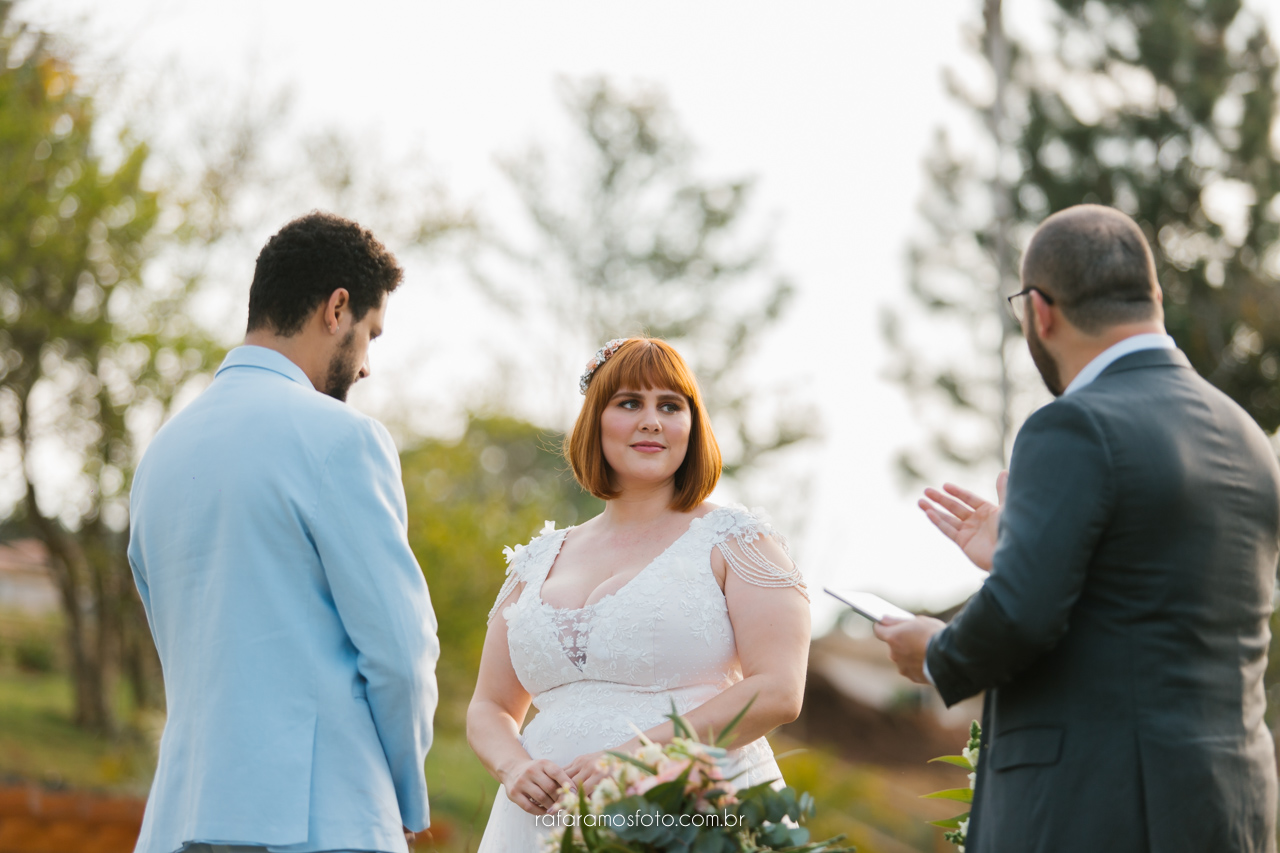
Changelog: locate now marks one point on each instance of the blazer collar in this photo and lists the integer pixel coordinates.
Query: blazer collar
(267, 359)
(1147, 358)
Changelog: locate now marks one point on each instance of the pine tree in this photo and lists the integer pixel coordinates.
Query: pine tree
(1161, 108)
(628, 239)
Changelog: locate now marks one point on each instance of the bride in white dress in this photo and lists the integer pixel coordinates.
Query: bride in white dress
(662, 597)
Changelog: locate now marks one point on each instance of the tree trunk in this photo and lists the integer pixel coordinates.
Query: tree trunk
(88, 638)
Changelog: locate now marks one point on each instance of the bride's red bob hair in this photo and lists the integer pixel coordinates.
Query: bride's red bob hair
(645, 363)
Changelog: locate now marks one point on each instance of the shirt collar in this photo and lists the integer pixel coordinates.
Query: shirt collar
(267, 359)
(1116, 351)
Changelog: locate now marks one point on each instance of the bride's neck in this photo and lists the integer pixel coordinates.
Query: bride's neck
(639, 506)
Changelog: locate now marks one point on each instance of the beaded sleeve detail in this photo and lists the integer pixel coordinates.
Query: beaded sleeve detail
(521, 560)
(747, 560)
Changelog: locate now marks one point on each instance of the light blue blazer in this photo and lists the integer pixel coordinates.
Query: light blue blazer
(267, 539)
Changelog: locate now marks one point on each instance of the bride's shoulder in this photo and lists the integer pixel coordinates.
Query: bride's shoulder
(542, 541)
(736, 521)
(745, 542)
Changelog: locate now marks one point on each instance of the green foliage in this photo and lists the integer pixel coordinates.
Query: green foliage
(468, 498)
(1164, 110)
(40, 743)
(35, 654)
(88, 349)
(958, 826)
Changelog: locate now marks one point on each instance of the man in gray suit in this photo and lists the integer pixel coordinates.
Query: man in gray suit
(1122, 634)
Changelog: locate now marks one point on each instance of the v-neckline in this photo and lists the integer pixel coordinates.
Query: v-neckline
(555, 555)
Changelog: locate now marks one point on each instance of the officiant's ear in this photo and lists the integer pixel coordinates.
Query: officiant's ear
(1042, 313)
(339, 303)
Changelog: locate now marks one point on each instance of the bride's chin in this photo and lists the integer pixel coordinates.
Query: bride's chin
(642, 480)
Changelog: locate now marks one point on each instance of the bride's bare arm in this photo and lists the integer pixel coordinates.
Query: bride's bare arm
(771, 627)
(497, 709)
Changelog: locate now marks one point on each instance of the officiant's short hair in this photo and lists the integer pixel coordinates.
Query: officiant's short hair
(1094, 261)
(645, 363)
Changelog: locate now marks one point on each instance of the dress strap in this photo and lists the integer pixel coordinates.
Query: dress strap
(523, 563)
(747, 560)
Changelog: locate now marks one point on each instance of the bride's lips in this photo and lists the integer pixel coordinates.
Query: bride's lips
(648, 446)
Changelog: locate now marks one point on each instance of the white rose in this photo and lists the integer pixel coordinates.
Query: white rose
(606, 792)
(651, 753)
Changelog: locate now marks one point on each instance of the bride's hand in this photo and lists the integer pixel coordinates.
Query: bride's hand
(586, 772)
(966, 519)
(535, 785)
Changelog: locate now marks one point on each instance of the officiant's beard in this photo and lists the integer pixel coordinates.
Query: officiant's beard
(343, 370)
(1044, 361)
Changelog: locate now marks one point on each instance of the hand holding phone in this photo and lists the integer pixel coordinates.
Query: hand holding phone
(869, 605)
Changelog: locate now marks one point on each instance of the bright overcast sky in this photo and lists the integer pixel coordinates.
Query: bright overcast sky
(831, 104)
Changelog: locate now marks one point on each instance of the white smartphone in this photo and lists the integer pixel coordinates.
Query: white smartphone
(869, 605)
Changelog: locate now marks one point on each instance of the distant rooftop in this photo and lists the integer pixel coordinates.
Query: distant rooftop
(25, 581)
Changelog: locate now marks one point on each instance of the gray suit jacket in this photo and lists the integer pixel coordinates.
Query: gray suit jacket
(1122, 634)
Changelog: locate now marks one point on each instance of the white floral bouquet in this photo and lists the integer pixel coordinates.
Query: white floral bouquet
(676, 797)
(958, 827)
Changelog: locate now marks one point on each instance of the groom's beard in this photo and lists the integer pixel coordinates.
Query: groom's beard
(1044, 361)
(343, 370)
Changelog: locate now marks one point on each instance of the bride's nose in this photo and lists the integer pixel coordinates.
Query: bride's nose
(651, 423)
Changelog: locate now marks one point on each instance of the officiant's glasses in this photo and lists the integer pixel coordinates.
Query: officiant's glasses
(1018, 308)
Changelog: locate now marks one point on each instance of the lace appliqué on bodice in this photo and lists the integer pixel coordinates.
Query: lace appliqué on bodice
(574, 626)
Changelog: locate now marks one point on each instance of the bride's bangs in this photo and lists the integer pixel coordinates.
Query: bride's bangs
(644, 364)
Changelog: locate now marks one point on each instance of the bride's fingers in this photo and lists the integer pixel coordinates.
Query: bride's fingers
(559, 778)
(1002, 480)
(589, 784)
(526, 800)
(965, 495)
(956, 508)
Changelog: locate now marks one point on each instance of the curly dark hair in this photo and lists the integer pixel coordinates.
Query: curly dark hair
(307, 260)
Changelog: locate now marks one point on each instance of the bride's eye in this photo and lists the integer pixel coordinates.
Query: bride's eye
(672, 408)
(630, 404)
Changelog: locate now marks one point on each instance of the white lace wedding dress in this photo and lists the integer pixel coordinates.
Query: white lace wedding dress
(597, 671)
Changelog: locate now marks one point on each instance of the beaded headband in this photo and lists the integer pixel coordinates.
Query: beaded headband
(601, 356)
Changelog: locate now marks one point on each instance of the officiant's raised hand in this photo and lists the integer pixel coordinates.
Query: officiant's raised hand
(966, 519)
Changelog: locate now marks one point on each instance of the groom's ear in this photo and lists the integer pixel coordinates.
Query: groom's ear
(334, 309)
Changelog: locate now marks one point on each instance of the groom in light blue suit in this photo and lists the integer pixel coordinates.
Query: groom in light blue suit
(268, 542)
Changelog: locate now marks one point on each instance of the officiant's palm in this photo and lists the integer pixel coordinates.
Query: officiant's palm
(967, 519)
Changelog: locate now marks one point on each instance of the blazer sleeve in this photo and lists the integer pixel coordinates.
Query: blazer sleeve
(360, 531)
(1059, 497)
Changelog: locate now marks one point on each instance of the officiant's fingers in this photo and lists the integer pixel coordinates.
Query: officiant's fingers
(946, 523)
(965, 495)
(956, 508)
(1002, 480)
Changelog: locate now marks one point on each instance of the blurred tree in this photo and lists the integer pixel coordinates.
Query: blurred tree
(86, 347)
(107, 256)
(636, 243)
(1163, 110)
(494, 486)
